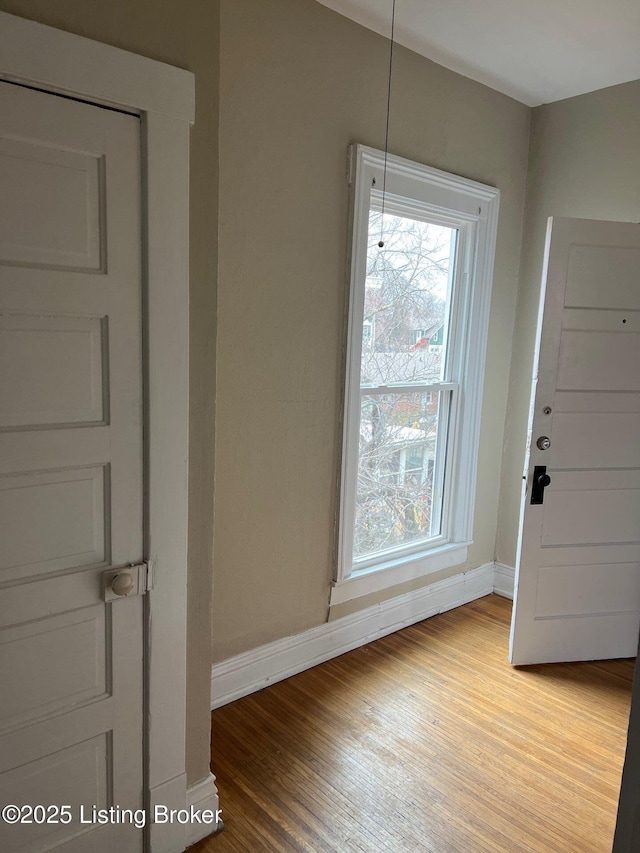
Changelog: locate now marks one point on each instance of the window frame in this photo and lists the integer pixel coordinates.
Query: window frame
(426, 193)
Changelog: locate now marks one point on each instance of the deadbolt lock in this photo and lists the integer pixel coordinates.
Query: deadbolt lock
(543, 443)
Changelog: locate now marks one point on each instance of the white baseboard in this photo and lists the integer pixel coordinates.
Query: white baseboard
(504, 580)
(252, 670)
(203, 795)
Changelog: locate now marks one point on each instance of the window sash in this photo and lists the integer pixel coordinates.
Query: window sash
(440, 502)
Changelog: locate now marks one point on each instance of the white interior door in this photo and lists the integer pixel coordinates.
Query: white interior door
(578, 567)
(71, 469)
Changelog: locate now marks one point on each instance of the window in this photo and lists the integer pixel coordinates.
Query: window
(418, 318)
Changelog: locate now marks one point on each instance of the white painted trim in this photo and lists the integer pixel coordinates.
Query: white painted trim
(203, 795)
(399, 572)
(253, 670)
(504, 580)
(50, 58)
(472, 209)
(164, 97)
(167, 837)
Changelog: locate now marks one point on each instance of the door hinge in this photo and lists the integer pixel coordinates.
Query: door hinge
(127, 581)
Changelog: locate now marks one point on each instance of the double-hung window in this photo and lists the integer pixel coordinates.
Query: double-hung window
(421, 271)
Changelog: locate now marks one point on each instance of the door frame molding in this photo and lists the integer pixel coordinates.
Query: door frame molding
(164, 98)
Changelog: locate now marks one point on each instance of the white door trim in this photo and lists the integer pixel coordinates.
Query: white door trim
(164, 98)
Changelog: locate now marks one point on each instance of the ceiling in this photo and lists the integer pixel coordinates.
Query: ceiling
(536, 51)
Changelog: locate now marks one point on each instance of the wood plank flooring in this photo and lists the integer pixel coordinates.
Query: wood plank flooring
(426, 740)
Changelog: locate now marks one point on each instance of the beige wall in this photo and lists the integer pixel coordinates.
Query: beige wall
(584, 162)
(182, 33)
(298, 84)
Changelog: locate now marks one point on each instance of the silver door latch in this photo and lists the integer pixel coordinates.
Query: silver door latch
(127, 581)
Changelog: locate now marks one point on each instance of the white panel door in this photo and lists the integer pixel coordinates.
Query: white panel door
(71, 473)
(578, 567)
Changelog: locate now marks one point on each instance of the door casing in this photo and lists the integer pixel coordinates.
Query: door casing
(164, 97)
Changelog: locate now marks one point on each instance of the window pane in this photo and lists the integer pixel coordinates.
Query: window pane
(397, 500)
(407, 290)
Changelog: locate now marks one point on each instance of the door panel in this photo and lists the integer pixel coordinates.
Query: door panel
(54, 520)
(46, 348)
(76, 774)
(586, 590)
(43, 176)
(575, 434)
(79, 636)
(580, 509)
(599, 361)
(71, 487)
(578, 573)
(603, 277)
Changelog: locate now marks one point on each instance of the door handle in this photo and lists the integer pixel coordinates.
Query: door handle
(134, 579)
(123, 583)
(540, 482)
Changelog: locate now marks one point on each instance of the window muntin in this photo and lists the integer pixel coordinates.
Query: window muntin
(382, 365)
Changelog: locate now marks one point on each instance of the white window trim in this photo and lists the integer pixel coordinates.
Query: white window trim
(164, 98)
(473, 208)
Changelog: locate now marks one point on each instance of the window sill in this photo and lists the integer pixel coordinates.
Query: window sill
(377, 578)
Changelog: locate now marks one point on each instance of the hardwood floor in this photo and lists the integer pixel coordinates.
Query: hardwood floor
(426, 740)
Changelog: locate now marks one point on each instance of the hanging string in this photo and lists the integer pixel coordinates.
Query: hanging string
(386, 138)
